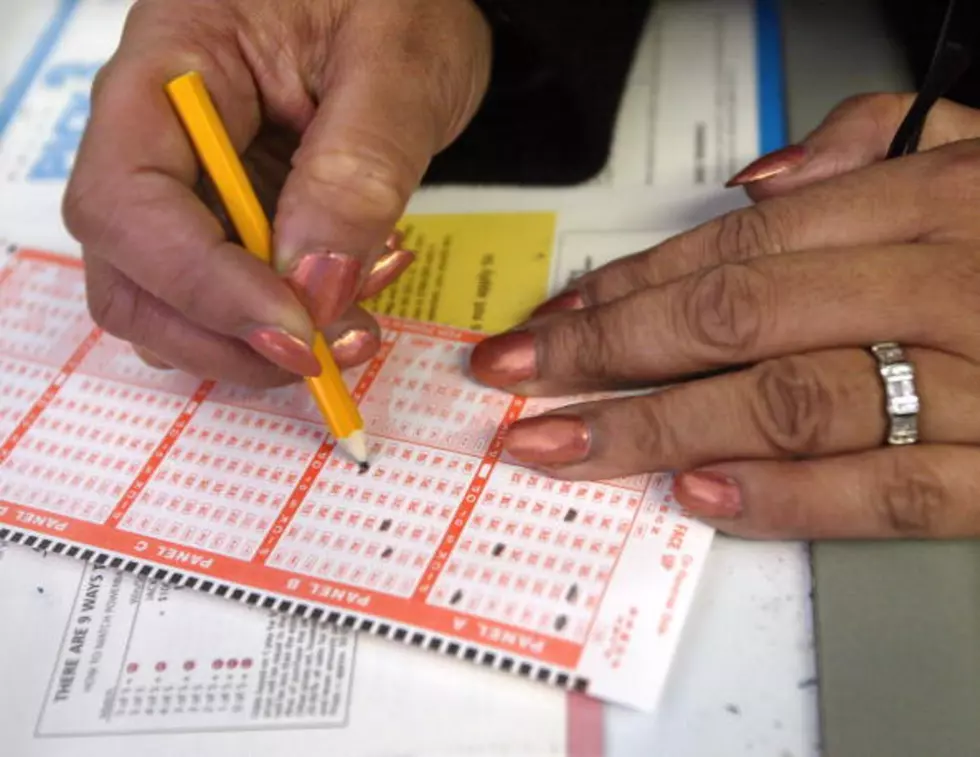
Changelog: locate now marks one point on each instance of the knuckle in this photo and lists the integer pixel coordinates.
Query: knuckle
(361, 184)
(654, 440)
(613, 281)
(725, 308)
(575, 348)
(791, 406)
(113, 307)
(187, 289)
(99, 81)
(884, 109)
(956, 272)
(745, 234)
(81, 211)
(950, 175)
(913, 499)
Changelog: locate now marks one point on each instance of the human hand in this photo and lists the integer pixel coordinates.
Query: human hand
(337, 107)
(760, 323)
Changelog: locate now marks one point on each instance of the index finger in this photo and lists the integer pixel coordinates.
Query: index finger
(886, 203)
(130, 199)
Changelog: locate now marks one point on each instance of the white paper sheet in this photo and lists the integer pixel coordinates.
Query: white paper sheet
(164, 669)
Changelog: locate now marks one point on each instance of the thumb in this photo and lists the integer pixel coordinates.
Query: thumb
(855, 134)
(379, 121)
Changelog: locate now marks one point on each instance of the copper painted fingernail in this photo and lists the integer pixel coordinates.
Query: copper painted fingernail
(395, 240)
(708, 494)
(327, 284)
(504, 360)
(285, 350)
(560, 303)
(354, 347)
(773, 164)
(548, 440)
(389, 267)
(152, 359)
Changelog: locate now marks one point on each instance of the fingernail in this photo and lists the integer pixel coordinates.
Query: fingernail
(504, 360)
(152, 359)
(389, 267)
(285, 350)
(395, 240)
(548, 440)
(354, 347)
(770, 165)
(708, 494)
(571, 300)
(327, 284)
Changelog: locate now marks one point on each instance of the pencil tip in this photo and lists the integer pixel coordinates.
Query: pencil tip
(356, 447)
(363, 468)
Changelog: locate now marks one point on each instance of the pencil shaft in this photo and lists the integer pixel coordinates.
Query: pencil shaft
(219, 158)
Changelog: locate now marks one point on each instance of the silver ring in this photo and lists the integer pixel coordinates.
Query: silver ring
(901, 399)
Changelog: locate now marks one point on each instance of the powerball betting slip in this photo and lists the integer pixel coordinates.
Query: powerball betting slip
(443, 545)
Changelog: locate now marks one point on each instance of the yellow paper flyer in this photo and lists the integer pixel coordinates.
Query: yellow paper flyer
(480, 271)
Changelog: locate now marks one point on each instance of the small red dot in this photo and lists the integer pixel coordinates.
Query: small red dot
(217, 665)
(189, 665)
(161, 666)
(132, 667)
(246, 663)
(232, 664)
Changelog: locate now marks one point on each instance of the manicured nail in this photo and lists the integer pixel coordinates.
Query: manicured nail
(327, 284)
(571, 300)
(504, 360)
(285, 350)
(395, 240)
(708, 494)
(548, 440)
(386, 271)
(770, 165)
(354, 347)
(152, 359)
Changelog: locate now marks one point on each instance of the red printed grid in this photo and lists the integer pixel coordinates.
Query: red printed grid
(42, 313)
(537, 552)
(23, 384)
(244, 487)
(365, 531)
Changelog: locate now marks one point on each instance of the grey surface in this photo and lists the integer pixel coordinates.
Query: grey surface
(898, 624)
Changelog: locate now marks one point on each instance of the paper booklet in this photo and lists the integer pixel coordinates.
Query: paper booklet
(444, 545)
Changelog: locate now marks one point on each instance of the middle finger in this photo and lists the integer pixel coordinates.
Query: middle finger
(734, 315)
(815, 405)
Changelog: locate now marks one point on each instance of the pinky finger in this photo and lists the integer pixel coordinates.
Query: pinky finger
(922, 492)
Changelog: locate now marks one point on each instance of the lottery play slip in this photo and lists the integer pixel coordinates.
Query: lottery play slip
(443, 545)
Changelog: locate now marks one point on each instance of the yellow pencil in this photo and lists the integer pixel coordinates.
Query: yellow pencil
(203, 124)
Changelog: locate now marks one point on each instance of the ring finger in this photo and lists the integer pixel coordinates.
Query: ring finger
(813, 405)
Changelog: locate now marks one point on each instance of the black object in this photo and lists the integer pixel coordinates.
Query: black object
(952, 57)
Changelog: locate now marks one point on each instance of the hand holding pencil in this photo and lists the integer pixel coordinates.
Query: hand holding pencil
(335, 129)
(214, 148)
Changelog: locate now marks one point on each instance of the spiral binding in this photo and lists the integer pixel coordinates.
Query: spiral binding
(345, 620)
